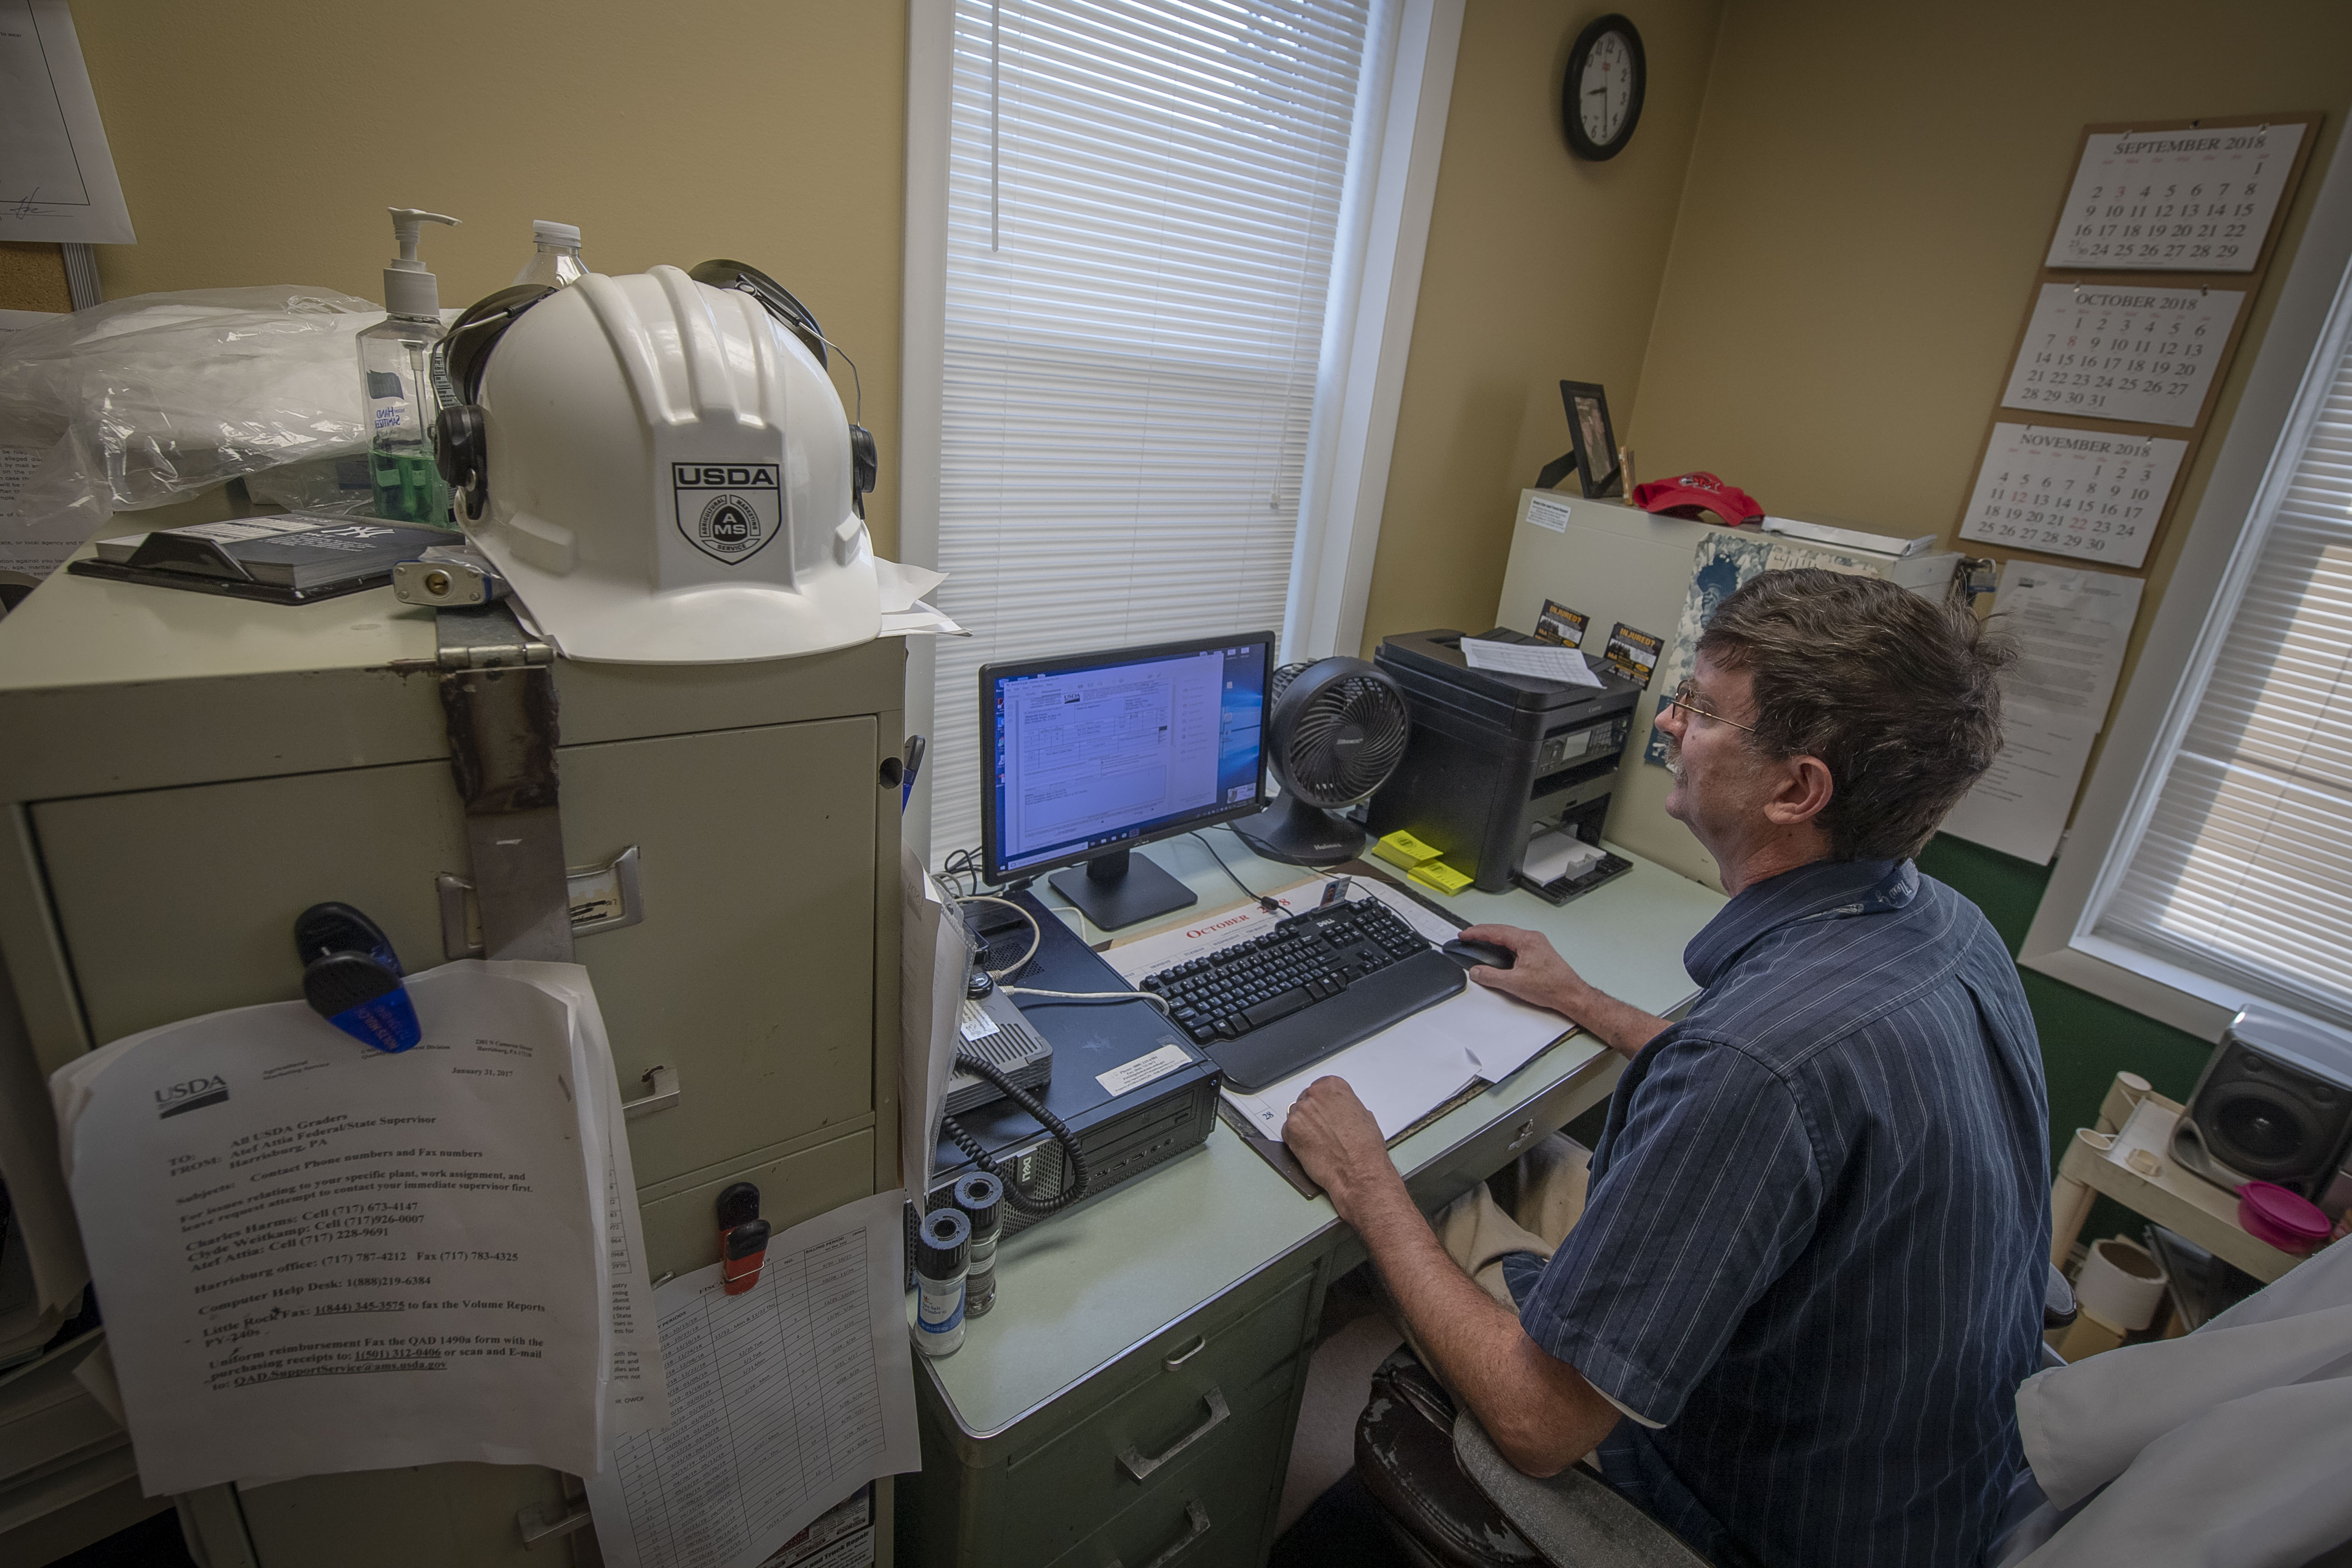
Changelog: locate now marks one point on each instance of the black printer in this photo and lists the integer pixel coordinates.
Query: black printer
(1495, 757)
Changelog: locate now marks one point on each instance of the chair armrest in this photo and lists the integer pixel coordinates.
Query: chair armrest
(1574, 1518)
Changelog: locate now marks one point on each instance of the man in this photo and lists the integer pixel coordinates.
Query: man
(1809, 1275)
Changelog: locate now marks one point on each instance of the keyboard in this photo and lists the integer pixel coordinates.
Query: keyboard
(1316, 983)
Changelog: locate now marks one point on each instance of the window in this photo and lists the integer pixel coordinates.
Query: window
(1156, 218)
(2210, 864)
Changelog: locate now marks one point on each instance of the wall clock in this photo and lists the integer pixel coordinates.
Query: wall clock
(1601, 95)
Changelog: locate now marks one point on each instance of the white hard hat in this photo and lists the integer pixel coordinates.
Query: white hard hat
(668, 477)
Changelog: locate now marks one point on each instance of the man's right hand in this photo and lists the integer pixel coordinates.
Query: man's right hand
(1541, 976)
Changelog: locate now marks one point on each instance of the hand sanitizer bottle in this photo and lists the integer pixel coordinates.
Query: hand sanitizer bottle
(557, 261)
(396, 387)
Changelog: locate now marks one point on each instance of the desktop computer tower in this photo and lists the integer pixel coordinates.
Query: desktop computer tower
(1494, 757)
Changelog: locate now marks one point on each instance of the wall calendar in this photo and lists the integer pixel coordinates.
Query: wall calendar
(2095, 495)
(2185, 200)
(2144, 357)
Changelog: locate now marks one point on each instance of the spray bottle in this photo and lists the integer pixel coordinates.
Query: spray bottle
(556, 261)
(395, 387)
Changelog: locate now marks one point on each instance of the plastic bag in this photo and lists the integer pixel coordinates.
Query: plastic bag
(143, 401)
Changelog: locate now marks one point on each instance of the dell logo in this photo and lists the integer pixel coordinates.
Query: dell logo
(174, 1099)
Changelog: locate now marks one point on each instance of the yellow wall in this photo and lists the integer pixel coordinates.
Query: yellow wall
(260, 140)
(1870, 195)
(1540, 268)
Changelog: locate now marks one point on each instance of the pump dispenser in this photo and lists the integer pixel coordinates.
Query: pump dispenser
(395, 387)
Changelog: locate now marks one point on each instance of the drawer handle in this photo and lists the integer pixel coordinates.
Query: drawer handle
(1200, 1344)
(666, 1092)
(1136, 1465)
(1200, 1517)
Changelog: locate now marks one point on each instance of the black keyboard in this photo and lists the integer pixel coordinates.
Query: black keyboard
(1316, 983)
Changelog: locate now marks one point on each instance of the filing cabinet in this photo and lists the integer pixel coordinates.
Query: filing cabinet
(182, 774)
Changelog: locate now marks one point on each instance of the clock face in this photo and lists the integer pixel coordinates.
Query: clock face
(1605, 90)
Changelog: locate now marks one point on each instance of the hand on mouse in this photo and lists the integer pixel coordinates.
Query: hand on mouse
(1540, 975)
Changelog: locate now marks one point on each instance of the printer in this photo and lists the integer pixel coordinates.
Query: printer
(1499, 762)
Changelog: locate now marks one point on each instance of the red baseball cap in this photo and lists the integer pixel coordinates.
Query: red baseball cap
(1687, 495)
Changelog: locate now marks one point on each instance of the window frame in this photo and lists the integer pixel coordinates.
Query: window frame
(1360, 383)
(2304, 339)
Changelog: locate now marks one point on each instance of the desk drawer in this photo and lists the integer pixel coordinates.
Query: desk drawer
(1211, 1512)
(1163, 1417)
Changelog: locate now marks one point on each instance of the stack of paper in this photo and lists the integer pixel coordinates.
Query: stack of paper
(316, 1256)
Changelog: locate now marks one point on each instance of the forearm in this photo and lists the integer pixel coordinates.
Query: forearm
(1622, 1027)
(1538, 1410)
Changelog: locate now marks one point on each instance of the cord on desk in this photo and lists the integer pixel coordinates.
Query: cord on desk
(1036, 940)
(1037, 936)
(1270, 905)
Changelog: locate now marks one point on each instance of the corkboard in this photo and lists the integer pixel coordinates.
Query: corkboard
(33, 276)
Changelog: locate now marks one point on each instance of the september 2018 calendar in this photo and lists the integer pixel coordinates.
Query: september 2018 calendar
(2179, 200)
(2143, 355)
(2090, 494)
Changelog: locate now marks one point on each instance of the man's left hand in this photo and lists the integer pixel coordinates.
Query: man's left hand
(1335, 1139)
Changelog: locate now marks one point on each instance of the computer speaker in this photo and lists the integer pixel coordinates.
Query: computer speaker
(2274, 1104)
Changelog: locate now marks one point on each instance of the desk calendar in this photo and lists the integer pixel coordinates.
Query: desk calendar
(2095, 495)
(2144, 357)
(2184, 200)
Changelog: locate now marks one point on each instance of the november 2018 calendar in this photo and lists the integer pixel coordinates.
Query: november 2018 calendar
(2090, 494)
(2143, 355)
(2181, 201)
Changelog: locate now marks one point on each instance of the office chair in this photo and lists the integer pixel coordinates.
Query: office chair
(1448, 1498)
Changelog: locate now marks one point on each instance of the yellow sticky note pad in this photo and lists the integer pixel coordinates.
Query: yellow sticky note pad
(1401, 848)
(1439, 875)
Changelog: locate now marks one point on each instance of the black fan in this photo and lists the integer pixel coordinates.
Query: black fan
(1336, 731)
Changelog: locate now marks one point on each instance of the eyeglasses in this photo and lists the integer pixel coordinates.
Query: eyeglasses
(1686, 698)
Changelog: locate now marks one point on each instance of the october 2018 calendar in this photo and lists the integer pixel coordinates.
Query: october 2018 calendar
(2179, 200)
(2146, 357)
(2090, 494)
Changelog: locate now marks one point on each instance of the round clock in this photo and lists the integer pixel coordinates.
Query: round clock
(1600, 97)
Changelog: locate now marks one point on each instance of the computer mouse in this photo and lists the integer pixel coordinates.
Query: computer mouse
(1475, 954)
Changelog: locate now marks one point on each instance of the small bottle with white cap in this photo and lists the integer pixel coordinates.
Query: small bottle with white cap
(396, 386)
(556, 261)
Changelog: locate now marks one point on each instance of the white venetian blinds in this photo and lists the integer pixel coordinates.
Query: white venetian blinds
(2243, 870)
(1143, 203)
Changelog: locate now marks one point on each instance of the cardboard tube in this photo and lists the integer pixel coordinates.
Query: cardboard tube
(2120, 1284)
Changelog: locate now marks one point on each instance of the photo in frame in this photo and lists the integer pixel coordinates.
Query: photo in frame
(1592, 456)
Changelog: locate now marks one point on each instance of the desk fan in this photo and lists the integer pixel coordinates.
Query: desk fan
(1335, 734)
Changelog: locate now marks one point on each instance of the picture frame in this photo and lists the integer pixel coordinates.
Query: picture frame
(1588, 423)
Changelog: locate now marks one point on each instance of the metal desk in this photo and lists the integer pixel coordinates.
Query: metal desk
(1087, 1302)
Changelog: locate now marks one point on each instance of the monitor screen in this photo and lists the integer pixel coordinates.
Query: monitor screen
(1098, 752)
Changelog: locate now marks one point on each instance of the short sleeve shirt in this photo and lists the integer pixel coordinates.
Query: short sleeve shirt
(1812, 1257)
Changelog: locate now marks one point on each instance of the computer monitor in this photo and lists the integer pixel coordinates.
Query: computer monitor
(1092, 755)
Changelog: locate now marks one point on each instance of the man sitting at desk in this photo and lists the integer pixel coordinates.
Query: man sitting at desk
(1808, 1276)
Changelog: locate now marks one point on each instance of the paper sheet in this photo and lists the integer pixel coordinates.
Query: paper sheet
(1541, 660)
(316, 1256)
(2177, 201)
(1402, 1073)
(2142, 355)
(934, 959)
(2071, 624)
(24, 559)
(786, 1398)
(56, 177)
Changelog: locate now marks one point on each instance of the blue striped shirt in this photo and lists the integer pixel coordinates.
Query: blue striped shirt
(1813, 1257)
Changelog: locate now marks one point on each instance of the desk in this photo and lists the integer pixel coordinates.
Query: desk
(1091, 1353)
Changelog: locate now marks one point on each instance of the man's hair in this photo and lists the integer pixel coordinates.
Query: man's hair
(1894, 692)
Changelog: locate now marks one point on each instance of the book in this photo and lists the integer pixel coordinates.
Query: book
(290, 558)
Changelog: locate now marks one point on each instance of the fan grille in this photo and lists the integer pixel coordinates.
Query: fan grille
(1345, 741)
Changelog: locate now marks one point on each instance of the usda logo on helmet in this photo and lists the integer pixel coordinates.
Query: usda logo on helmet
(726, 510)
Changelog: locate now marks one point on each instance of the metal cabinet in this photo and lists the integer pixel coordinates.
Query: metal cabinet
(1176, 1450)
(182, 774)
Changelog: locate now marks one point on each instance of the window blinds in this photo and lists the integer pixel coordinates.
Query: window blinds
(2243, 870)
(1143, 203)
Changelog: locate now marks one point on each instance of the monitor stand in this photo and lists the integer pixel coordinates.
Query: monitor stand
(1121, 888)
